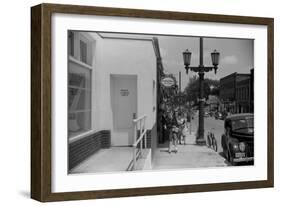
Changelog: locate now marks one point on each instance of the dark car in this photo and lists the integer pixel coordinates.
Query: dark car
(238, 140)
(218, 115)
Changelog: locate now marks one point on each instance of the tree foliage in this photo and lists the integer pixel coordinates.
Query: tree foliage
(211, 87)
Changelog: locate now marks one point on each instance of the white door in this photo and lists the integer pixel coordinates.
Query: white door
(124, 108)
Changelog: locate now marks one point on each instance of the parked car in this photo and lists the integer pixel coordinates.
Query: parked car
(218, 115)
(238, 140)
(212, 113)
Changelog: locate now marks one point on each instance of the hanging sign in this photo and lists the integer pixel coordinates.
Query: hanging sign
(168, 81)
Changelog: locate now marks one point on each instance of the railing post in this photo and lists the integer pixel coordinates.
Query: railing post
(135, 132)
(139, 144)
(135, 158)
(141, 147)
(145, 141)
(134, 149)
(145, 137)
(141, 123)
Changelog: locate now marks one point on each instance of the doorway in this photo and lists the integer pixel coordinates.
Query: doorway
(124, 108)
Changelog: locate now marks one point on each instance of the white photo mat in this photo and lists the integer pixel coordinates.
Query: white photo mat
(63, 182)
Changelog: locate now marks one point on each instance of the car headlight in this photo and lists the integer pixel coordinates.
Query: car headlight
(242, 146)
(235, 147)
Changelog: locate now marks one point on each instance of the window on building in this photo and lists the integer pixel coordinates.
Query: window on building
(79, 90)
(239, 93)
(79, 101)
(83, 52)
(71, 43)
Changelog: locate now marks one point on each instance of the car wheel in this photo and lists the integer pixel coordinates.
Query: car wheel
(232, 162)
(228, 156)
(225, 152)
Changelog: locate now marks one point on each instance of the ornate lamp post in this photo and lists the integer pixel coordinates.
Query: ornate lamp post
(201, 69)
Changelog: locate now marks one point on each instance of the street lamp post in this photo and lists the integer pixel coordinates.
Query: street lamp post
(201, 69)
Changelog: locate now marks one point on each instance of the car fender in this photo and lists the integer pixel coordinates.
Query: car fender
(223, 142)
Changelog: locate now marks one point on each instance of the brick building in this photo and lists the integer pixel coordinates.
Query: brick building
(236, 92)
(245, 94)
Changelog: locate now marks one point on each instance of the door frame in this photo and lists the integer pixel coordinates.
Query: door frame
(118, 131)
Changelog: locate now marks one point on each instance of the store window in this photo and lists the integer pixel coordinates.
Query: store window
(83, 52)
(71, 43)
(79, 86)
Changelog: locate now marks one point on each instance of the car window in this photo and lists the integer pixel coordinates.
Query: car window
(244, 123)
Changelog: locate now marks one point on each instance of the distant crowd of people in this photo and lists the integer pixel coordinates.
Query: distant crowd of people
(174, 121)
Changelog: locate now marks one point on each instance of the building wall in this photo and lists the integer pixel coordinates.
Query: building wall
(227, 91)
(227, 87)
(111, 56)
(231, 90)
(79, 150)
(244, 91)
(127, 57)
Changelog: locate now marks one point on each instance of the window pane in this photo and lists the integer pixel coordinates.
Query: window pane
(83, 52)
(71, 43)
(76, 79)
(79, 77)
(79, 99)
(78, 123)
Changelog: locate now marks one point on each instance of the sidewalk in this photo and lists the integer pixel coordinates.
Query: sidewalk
(114, 159)
(188, 156)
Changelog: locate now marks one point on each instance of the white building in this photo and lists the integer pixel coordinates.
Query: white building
(111, 80)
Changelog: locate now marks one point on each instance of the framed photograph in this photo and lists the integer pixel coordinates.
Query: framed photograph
(130, 102)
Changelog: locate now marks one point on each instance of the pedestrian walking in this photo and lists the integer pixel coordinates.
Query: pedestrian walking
(172, 126)
(165, 130)
(181, 125)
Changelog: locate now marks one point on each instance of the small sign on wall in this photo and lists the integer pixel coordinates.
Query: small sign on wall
(124, 92)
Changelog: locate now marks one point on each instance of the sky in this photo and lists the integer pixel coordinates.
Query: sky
(236, 55)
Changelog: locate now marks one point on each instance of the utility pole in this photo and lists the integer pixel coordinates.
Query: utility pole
(179, 81)
(201, 70)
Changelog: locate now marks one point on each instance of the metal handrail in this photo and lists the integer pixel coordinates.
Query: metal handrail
(139, 139)
(138, 119)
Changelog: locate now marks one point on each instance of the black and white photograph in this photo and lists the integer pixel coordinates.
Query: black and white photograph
(143, 102)
(132, 102)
